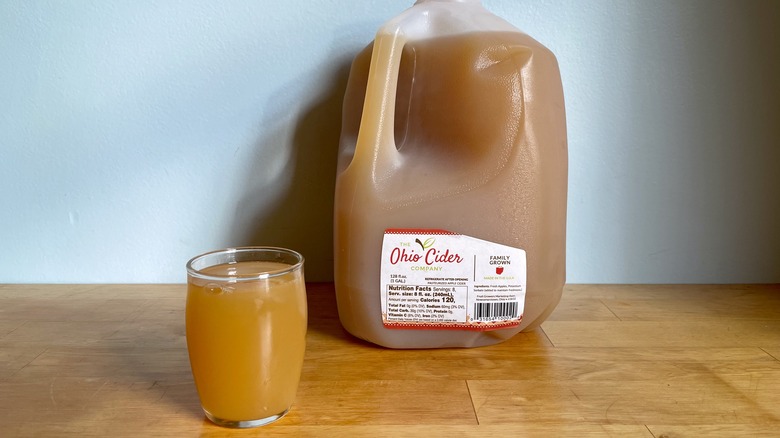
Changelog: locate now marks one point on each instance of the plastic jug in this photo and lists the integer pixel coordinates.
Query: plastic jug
(450, 203)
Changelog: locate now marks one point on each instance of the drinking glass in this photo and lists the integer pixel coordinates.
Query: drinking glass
(246, 332)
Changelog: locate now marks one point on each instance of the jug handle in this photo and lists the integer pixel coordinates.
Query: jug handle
(376, 139)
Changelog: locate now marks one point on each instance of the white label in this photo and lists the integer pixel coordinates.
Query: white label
(436, 279)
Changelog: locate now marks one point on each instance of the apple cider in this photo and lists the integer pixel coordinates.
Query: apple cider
(246, 340)
(452, 137)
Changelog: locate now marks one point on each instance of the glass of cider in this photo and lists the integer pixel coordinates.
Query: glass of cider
(246, 332)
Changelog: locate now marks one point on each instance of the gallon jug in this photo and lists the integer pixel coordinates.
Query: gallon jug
(450, 203)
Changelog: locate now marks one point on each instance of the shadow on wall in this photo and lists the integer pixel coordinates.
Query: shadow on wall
(288, 192)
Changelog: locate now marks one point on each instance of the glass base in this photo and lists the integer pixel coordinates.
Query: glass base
(244, 424)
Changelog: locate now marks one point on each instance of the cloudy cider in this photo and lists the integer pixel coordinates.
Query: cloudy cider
(241, 334)
(450, 207)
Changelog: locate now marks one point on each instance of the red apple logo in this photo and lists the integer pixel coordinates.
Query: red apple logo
(499, 270)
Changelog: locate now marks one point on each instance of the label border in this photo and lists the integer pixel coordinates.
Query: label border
(464, 326)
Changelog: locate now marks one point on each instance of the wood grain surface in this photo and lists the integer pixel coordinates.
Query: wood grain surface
(613, 360)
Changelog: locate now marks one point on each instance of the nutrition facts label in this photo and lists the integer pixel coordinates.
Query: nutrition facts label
(436, 279)
(425, 303)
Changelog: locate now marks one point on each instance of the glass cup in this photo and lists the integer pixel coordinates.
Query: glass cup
(246, 332)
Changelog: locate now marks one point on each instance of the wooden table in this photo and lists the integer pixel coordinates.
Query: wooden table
(646, 361)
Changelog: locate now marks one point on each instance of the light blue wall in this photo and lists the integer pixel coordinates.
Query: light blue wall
(135, 134)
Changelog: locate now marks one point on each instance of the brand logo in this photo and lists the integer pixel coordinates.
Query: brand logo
(406, 253)
(499, 270)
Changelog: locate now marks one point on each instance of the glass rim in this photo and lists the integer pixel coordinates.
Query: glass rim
(192, 271)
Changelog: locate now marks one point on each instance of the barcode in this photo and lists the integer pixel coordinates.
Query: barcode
(495, 311)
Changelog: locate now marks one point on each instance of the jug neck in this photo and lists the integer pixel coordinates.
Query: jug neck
(447, 1)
